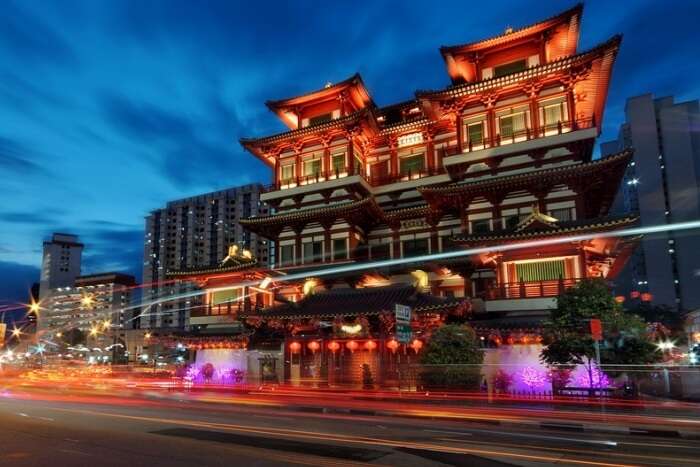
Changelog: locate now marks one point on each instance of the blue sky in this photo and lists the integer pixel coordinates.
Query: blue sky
(110, 109)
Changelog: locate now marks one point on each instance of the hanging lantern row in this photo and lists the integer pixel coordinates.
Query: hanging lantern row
(352, 346)
(620, 299)
(643, 296)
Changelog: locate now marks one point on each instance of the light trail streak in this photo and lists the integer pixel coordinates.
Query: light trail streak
(355, 267)
(316, 436)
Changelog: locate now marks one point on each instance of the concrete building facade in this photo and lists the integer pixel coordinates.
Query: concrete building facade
(662, 184)
(60, 263)
(96, 304)
(195, 232)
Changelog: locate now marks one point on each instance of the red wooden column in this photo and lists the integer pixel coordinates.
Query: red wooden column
(276, 175)
(429, 150)
(460, 131)
(393, 157)
(570, 103)
(350, 157)
(326, 158)
(395, 244)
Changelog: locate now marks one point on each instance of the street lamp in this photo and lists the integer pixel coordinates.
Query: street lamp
(16, 332)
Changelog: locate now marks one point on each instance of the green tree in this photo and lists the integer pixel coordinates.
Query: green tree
(452, 359)
(567, 331)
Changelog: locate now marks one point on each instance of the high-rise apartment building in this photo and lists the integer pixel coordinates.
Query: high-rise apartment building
(97, 303)
(60, 264)
(661, 183)
(194, 232)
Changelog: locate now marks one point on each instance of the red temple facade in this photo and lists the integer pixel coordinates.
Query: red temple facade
(501, 155)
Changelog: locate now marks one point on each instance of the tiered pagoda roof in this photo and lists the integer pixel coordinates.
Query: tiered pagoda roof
(555, 229)
(362, 301)
(601, 174)
(365, 212)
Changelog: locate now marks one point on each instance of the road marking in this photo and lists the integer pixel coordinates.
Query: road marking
(341, 438)
(526, 435)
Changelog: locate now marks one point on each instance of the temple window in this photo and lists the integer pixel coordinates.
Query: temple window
(562, 214)
(380, 251)
(512, 217)
(553, 116)
(551, 269)
(512, 125)
(411, 164)
(318, 119)
(475, 134)
(358, 165)
(340, 248)
(286, 255)
(508, 68)
(338, 162)
(312, 167)
(481, 226)
(287, 173)
(415, 247)
(313, 251)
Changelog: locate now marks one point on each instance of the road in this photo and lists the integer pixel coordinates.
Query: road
(70, 427)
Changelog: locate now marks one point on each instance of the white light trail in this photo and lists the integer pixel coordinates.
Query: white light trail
(348, 268)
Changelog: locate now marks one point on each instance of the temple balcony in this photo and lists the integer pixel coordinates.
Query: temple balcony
(523, 141)
(313, 183)
(524, 295)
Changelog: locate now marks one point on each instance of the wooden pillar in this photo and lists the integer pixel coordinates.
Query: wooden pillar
(534, 117)
(327, 241)
(491, 125)
(326, 160)
(434, 240)
(571, 107)
(395, 244)
(298, 165)
(350, 157)
(430, 152)
(393, 158)
(460, 131)
(299, 254)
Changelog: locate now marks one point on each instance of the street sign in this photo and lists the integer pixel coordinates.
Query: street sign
(596, 330)
(403, 323)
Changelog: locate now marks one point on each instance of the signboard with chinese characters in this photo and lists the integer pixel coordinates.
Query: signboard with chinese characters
(403, 323)
(409, 139)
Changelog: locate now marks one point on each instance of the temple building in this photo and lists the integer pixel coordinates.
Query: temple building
(503, 155)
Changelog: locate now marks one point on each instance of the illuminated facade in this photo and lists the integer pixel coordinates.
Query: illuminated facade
(94, 303)
(501, 155)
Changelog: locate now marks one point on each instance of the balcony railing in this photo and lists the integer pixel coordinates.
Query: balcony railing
(536, 289)
(525, 134)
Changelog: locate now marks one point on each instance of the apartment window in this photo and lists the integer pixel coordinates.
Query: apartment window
(287, 172)
(508, 68)
(318, 119)
(312, 167)
(382, 251)
(415, 247)
(475, 133)
(512, 125)
(287, 255)
(481, 226)
(340, 249)
(412, 164)
(338, 162)
(313, 252)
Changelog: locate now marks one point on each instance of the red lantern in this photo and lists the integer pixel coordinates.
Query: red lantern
(634, 294)
(392, 345)
(620, 299)
(313, 346)
(295, 347)
(510, 340)
(370, 345)
(416, 345)
(333, 346)
(351, 345)
(647, 297)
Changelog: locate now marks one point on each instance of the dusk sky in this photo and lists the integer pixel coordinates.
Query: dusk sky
(110, 109)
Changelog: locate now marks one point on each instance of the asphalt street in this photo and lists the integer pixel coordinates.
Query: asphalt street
(71, 430)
